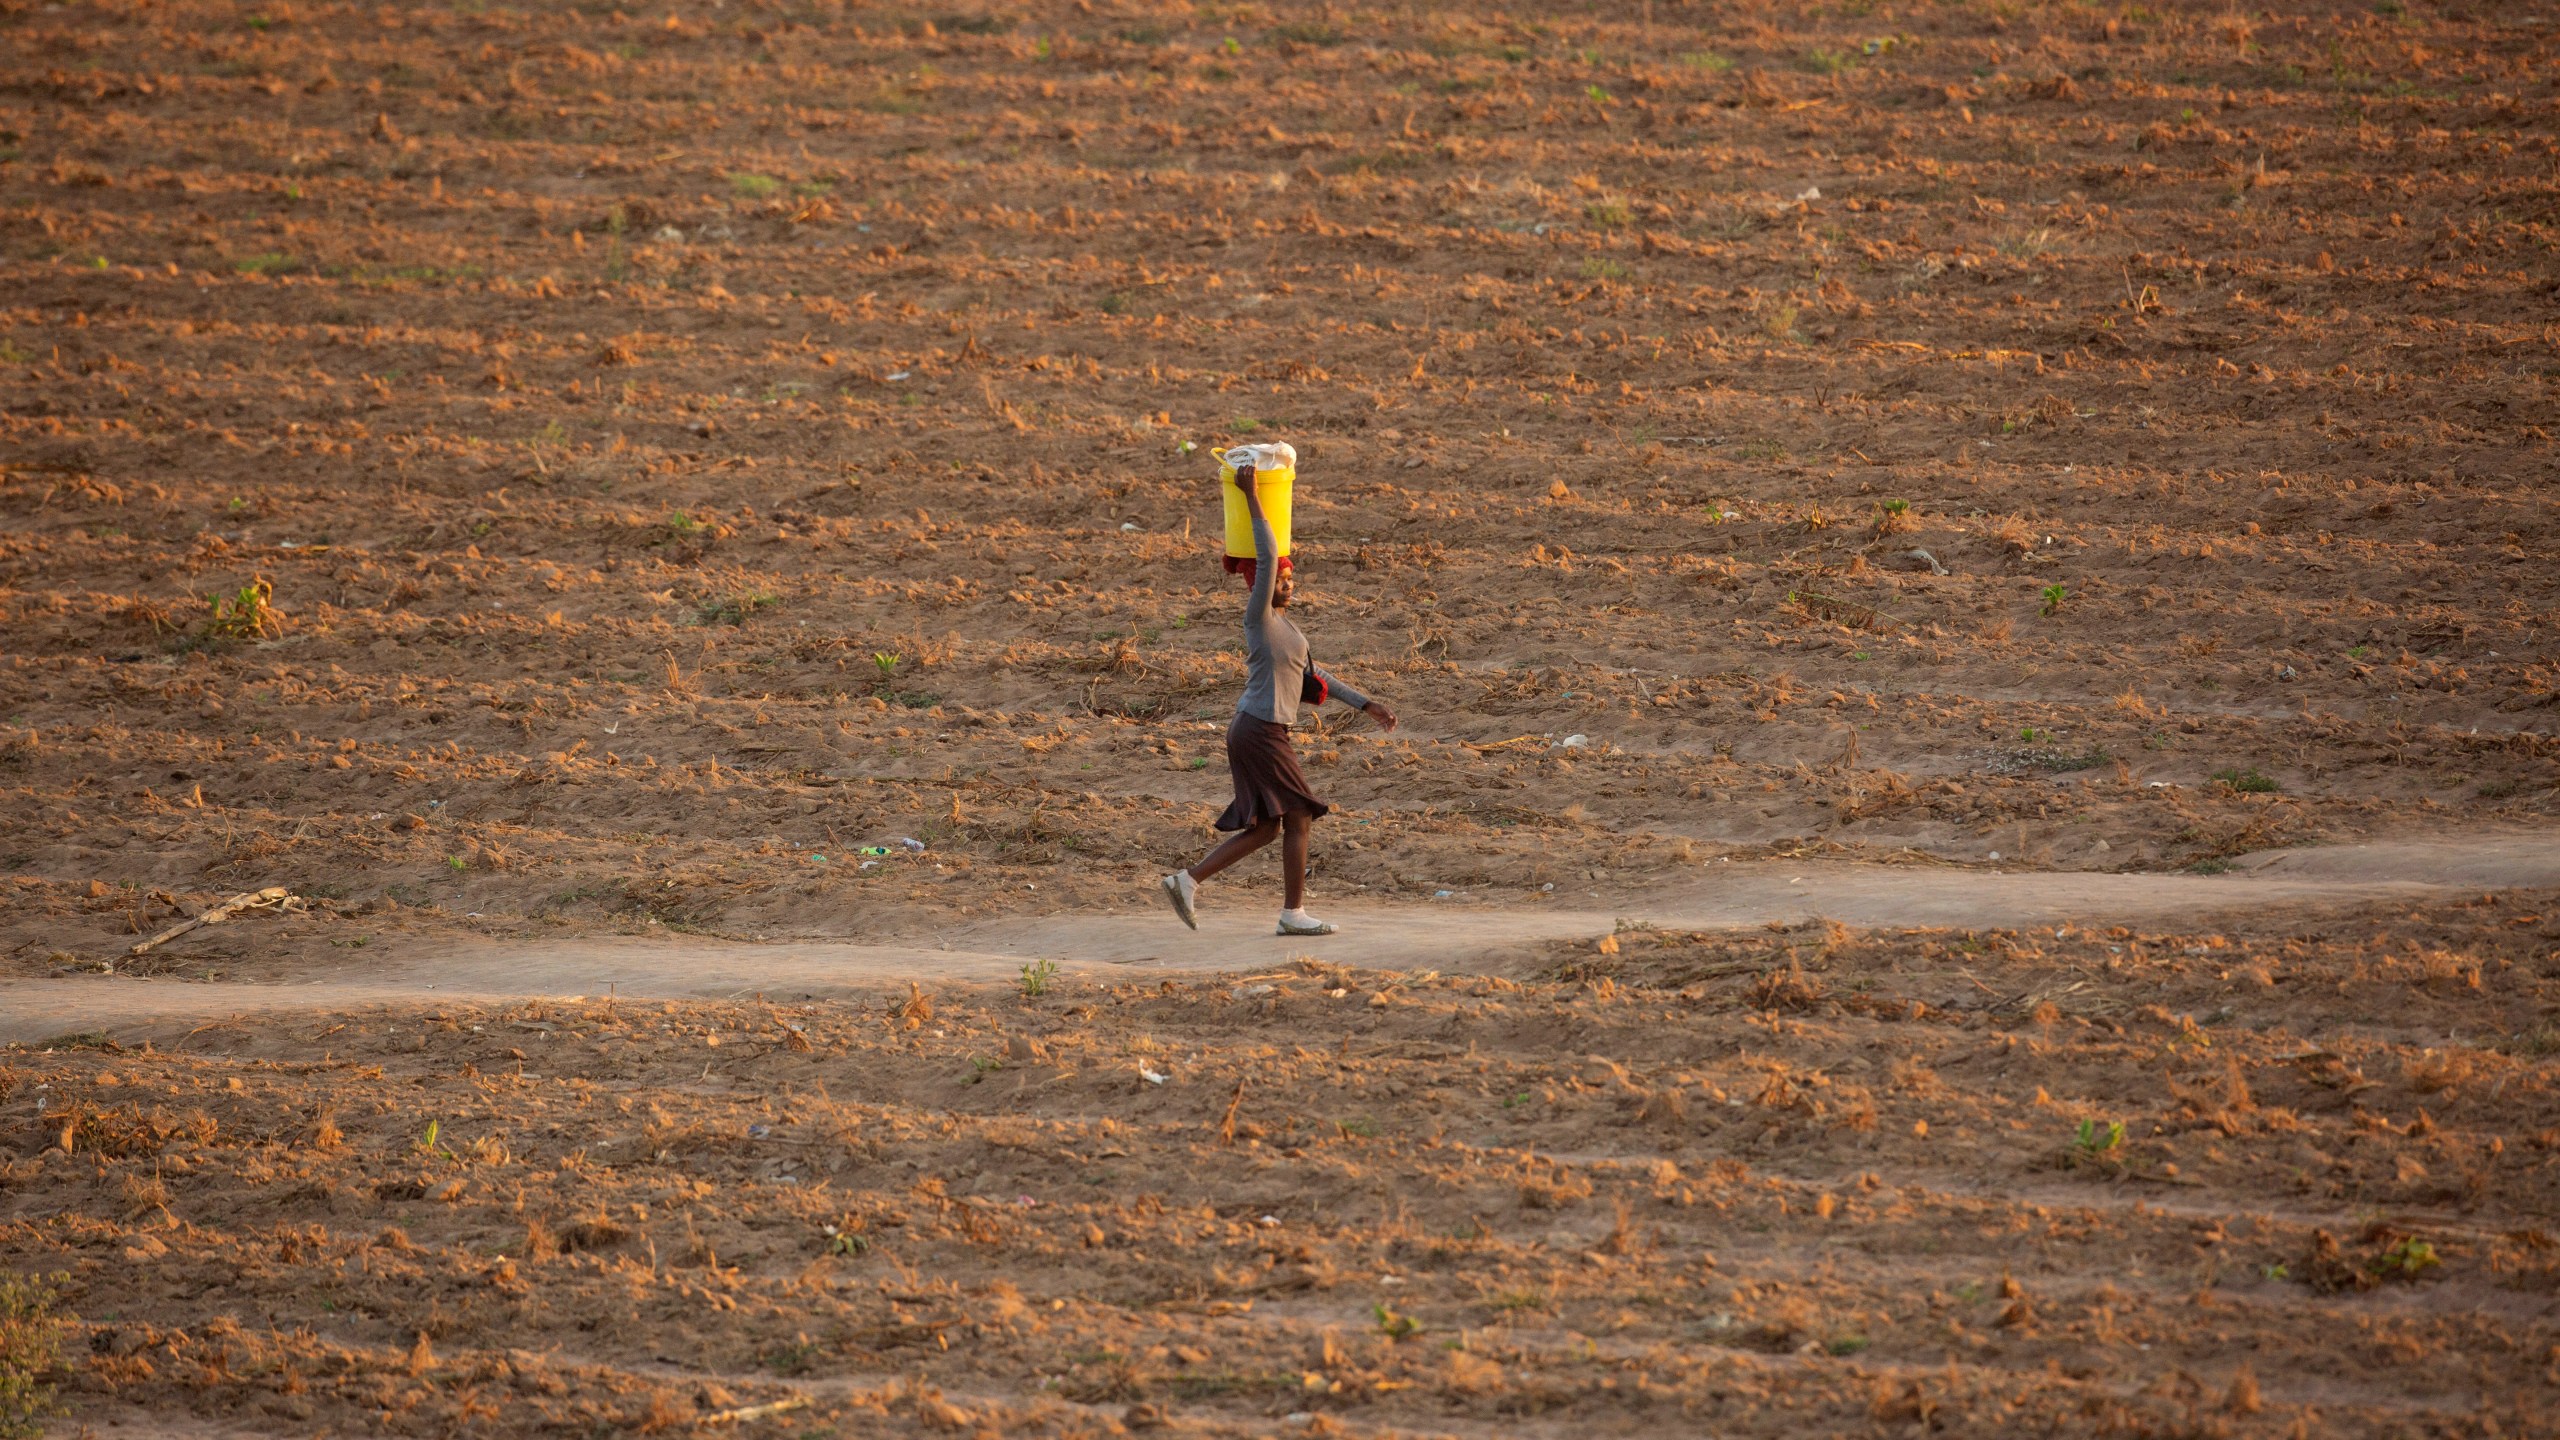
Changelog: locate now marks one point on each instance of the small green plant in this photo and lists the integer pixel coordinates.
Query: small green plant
(2279, 1271)
(1608, 214)
(2247, 781)
(427, 1145)
(1847, 1344)
(271, 262)
(1516, 1101)
(2093, 1141)
(2032, 735)
(1598, 96)
(1895, 507)
(2210, 865)
(247, 613)
(456, 864)
(1115, 303)
(1600, 267)
(1829, 62)
(617, 265)
(980, 1067)
(735, 609)
(755, 187)
(887, 663)
(794, 1358)
(846, 1243)
(1706, 60)
(1394, 1324)
(1036, 977)
(30, 1352)
(2054, 595)
(1357, 1129)
(2406, 1257)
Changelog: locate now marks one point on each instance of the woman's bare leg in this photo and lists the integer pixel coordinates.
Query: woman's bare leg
(1293, 856)
(1237, 846)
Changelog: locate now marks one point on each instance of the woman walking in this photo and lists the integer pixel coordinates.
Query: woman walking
(1273, 799)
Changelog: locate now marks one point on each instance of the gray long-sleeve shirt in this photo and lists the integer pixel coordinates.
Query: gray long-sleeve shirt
(1275, 652)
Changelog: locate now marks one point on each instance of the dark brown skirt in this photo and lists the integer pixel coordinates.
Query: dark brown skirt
(1269, 783)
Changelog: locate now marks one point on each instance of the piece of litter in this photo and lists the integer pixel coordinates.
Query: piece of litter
(1150, 1076)
(1442, 894)
(1995, 854)
(1269, 1220)
(1251, 992)
(1810, 192)
(900, 374)
(1128, 527)
(1575, 742)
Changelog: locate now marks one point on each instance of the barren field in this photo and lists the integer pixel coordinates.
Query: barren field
(1793, 1181)
(521, 477)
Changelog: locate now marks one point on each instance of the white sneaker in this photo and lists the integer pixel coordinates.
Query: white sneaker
(1299, 922)
(1181, 891)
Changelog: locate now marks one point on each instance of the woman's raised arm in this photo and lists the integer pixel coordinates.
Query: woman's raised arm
(1266, 550)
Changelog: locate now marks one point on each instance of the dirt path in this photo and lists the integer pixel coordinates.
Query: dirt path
(1234, 933)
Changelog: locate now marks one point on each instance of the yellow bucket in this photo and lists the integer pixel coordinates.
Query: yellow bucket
(1275, 474)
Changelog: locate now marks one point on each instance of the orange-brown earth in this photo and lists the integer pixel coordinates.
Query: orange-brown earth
(1788, 1182)
(559, 471)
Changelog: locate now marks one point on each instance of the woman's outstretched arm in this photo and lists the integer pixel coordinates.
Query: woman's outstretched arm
(1338, 689)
